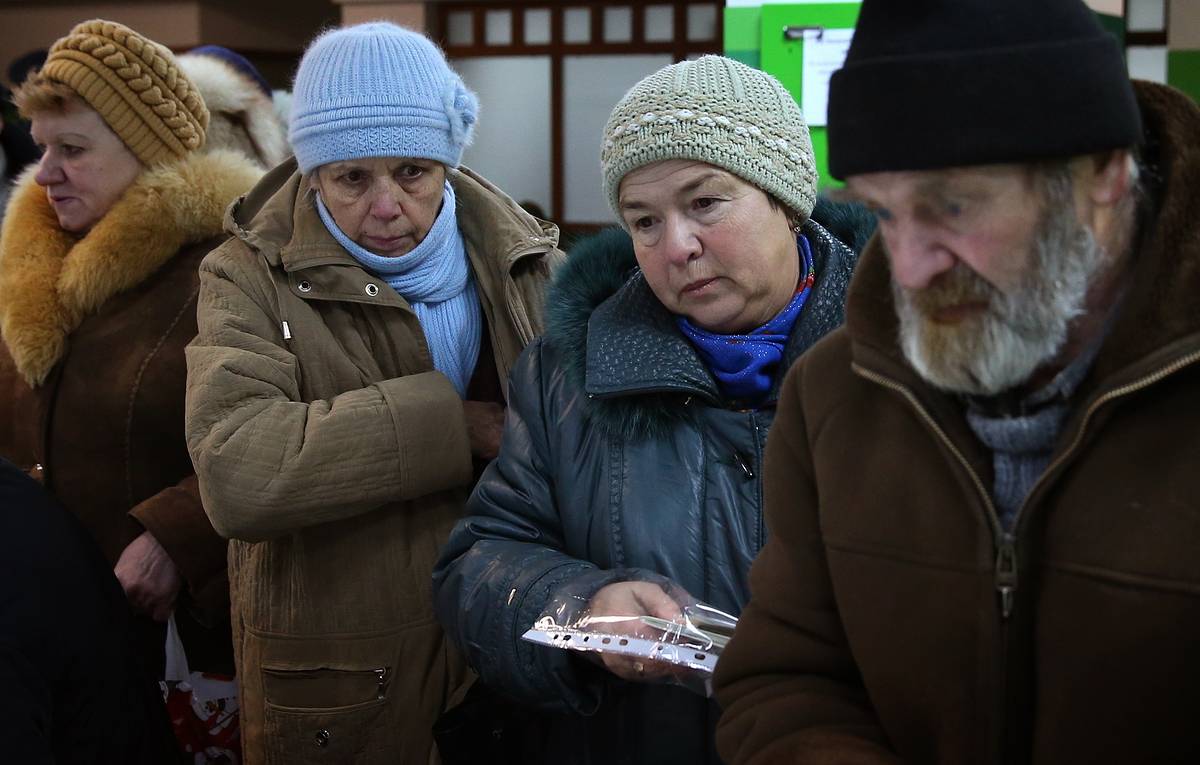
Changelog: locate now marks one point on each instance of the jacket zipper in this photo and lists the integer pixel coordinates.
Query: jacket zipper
(1124, 390)
(683, 390)
(381, 677)
(1006, 566)
(760, 448)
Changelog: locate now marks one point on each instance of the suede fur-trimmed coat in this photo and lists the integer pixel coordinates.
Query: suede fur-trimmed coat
(893, 619)
(92, 369)
(619, 452)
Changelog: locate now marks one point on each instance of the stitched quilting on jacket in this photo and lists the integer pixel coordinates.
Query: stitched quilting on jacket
(337, 460)
(893, 621)
(619, 452)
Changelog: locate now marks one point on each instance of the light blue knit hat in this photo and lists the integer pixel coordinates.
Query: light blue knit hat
(378, 90)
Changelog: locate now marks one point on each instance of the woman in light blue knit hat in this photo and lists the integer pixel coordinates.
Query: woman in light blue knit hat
(346, 388)
(630, 482)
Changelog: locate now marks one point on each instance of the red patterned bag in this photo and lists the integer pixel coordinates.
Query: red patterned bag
(203, 708)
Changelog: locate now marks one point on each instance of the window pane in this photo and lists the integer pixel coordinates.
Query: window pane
(1147, 15)
(459, 30)
(618, 25)
(592, 85)
(1148, 63)
(499, 27)
(512, 140)
(537, 26)
(660, 23)
(577, 23)
(702, 22)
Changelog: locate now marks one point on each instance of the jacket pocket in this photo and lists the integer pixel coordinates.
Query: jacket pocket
(324, 687)
(326, 716)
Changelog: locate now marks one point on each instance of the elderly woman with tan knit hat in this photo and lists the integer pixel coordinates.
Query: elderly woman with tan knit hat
(98, 277)
(630, 480)
(347, 385)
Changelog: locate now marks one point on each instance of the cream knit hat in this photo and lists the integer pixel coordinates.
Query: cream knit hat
(135, 85)
(719, 111)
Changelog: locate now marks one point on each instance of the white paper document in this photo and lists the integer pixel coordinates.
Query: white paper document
(824, 53)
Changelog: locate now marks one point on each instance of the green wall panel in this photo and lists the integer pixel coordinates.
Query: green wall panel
(1183, 71)
(785, 58)
(742, 35)
(1114, 24)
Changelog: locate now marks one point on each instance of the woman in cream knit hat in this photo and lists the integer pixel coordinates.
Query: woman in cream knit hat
(630, 482)
(98, 258)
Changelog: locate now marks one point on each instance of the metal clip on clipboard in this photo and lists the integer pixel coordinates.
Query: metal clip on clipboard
(797, 32)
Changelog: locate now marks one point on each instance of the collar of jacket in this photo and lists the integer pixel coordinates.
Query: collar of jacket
(51, 280)
(600, 307)
(279, 220)
(1158, 326)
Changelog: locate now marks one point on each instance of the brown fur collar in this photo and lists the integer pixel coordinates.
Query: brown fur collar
(50, 280)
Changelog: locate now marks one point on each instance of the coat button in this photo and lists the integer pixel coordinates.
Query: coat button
(372, 289)
(322, 738)
(304, 286)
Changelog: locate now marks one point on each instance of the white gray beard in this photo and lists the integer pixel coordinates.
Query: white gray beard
(1020, 331)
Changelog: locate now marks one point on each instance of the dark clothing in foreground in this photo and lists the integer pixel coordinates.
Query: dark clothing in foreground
(894, 621)
(73, 689)
(619, 452)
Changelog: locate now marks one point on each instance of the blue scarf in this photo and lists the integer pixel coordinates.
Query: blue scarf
(435, 278)
(744, 365)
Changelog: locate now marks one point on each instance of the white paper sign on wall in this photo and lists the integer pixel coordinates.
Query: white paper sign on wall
(824, 53)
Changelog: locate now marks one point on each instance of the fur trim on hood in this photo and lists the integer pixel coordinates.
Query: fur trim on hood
(242, 118)
(50, 280)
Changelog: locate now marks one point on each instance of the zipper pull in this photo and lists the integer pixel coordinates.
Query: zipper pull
(740, 462)
(381, 676)
(1006, 574)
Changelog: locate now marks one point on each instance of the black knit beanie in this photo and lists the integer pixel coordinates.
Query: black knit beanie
(931, 84)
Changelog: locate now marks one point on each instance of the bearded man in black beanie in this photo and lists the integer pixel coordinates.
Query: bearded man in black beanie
(983, 492)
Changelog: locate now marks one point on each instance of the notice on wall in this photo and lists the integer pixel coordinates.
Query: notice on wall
(824, 53)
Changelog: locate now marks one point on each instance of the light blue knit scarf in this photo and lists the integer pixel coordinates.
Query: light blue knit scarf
(435, 278)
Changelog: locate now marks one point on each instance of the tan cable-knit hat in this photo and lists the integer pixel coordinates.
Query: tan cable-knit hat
(136, 86)
(719, 111)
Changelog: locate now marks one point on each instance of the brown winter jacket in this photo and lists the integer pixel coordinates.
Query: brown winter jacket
(337, 460)
(92, 366)
(890, 620)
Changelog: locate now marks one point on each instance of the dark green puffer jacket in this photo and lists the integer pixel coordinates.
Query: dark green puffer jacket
(619, 453)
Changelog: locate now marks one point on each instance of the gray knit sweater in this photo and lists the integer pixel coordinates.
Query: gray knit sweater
(1022, 434)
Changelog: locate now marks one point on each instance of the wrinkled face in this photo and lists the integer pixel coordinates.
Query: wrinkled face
(385, 204)
(990, 266)
(711, 246)
(85, 167)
